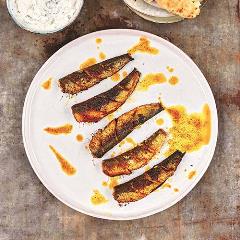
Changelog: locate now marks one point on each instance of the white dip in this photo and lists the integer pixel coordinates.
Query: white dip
(44, 15)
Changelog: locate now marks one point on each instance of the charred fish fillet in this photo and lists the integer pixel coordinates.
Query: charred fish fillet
(135, 158)
(83, 79)
(96, 108)
(149, 181)
(105, 139)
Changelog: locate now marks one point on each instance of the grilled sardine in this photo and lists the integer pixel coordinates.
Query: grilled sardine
(149, 181)
(105, 139)
(83, 79)
(135, 158)
(96, 108)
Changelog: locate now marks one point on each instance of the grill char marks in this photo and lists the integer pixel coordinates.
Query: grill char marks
(149, 181)
(105, 139)
(84, 79)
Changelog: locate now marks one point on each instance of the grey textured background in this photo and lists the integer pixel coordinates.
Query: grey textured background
(211, 211)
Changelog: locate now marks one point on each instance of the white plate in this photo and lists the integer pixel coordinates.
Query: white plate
(48, 108)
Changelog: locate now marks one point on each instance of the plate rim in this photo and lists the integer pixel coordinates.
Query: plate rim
(214, 125)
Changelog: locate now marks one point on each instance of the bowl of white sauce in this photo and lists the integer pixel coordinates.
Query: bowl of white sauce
(44, 16)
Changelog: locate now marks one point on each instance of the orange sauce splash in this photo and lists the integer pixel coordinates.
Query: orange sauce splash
(131, 141)
(79, 137)
(98, 40)
(151, 79)
(110, 117)
(147, 168)
(173, 80)
(116, 77)
(170, 69)
(166, 185)
(113, 181)
(189, 132)
(160, 121)
(102, 55)
(124, 74)
(65, 129)
(89, 62)
(192, 174)
(176, 190)
(104, 184)
(47, 84)
(98, 198)
(143, 46)
(113, 154)
(65, 165)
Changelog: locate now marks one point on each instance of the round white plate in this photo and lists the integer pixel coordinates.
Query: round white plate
(45, 108)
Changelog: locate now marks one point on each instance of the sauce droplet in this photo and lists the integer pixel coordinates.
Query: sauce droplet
(113, 154)
(176, 190)
(124, 74)
(116, 77)
(89, 62)
(131, 141)
(191, 174)
(47, 84)
(160, 121)
(65, 129)
(166, 185)
(104, 184)
(110, 117)
(189, 132)
(151, 79)
(79, 137)
(143, 46)
(122, 143)
(170, 69)
(102, 55)
(65, 165)
(147, 168)
(173, 80)
(98, 40)
(113, 181)
(98, 198)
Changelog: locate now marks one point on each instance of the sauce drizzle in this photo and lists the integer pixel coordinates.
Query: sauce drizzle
(102, 55)
(47, 84)
(98, 198)
(189, 132)
(192, 174)
(98, 40)
(173, 80)
(65, 129)
(170, 69)
(65, 165)
(160, 121)
(143, 46)
(124, 74)
(88, 63)
(131, 141)
(79, 137)
(151, 79)
(116, 77)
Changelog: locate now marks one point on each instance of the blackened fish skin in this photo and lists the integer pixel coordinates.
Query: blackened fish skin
(96, 108)
(105, 139)
(84, 79)
(143, 185)
(135, 158)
